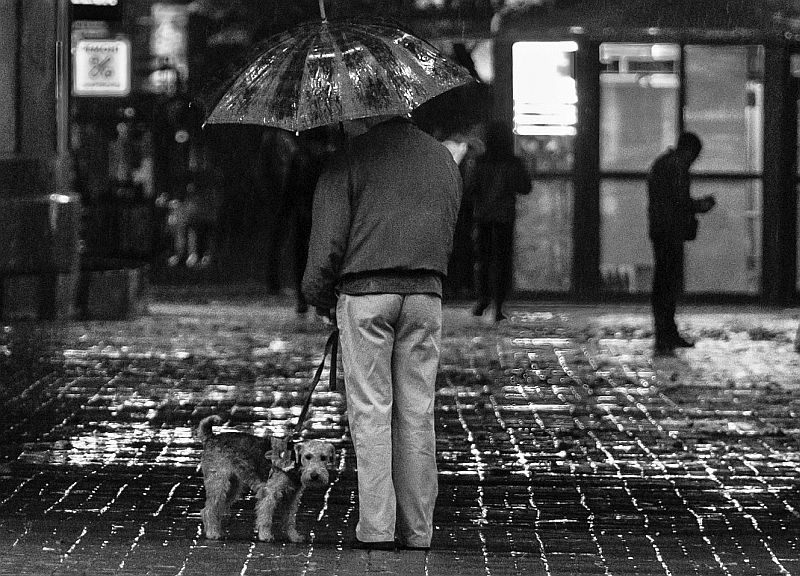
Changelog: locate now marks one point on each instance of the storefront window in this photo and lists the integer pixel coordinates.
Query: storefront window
(626, 258)
(545, 104)
(543, 237)
(545, 119)
(726, 256)
(638, 103)
(724, 106)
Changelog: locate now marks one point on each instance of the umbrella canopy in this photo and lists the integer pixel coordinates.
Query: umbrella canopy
(324, 72)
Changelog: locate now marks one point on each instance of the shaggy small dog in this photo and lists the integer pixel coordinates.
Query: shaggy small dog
(266, 466)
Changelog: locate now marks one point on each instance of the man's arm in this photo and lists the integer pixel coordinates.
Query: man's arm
(329, 234)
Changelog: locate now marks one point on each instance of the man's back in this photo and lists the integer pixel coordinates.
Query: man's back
(406, 195)
(388, 202)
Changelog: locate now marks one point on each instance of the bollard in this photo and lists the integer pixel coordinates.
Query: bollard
(39, 256)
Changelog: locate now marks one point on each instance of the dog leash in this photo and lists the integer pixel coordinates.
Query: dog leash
(332, 348)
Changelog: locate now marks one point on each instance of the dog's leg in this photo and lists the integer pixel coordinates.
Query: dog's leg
(290, 519)
(234, 492)
(217, 493)
(265, 510)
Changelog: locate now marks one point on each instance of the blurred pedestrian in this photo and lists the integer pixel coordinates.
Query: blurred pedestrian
(499, 177)
(466, 149)
(672, 221)
(203, 200)
(277, 151)
(385, 210)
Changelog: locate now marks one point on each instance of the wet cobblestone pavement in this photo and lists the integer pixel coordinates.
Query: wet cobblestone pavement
(564, 447)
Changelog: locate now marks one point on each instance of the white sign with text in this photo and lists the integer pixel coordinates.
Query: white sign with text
(102, 67)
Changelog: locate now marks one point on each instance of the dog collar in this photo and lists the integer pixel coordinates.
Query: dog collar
(294, 439)
(292, 472)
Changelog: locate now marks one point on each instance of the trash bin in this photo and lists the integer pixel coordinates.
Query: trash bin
(119, 244)
(39, 256)
(112, 289)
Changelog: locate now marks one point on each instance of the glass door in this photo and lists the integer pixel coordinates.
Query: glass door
(545, 118)
(648, 94)
(639, 119)
(725, 107)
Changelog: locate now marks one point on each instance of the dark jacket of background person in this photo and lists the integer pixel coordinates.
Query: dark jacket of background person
(401, 215)
(671, 208)
(499, 177)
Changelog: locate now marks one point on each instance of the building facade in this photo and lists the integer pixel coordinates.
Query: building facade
(597, 90)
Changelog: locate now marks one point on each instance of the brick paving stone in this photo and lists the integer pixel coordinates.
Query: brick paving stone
(564, 446)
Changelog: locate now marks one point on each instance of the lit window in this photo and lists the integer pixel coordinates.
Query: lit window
(545, 95)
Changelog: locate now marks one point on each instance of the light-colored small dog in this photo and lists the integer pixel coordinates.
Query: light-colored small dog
(276, 474)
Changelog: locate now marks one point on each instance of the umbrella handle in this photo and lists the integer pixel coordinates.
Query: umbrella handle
(322, 10)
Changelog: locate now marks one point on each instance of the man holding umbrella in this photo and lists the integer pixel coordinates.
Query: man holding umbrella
(384, 215)
(383, 218)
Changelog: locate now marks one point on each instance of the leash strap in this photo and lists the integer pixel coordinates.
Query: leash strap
(332, 348)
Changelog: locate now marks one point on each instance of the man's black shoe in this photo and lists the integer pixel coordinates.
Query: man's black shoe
(386, 545)
(679, 342)
(664, 350)
(414, 548)
(479, 308)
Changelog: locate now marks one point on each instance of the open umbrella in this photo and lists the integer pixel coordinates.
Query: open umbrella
(322, 72)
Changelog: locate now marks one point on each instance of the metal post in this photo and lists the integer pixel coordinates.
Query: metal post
(586, 283)
(779, 225)
(62, 78)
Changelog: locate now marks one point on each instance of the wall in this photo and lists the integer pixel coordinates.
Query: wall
(37, 129)
(8, 77)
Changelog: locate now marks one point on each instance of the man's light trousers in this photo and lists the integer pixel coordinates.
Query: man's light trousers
(390, 352)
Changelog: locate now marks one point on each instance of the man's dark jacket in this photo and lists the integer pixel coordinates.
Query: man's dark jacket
(498, 181)
(398, 215)
(671, 208)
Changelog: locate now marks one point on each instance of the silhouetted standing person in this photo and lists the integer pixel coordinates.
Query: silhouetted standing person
(672, 221)
(499, 177)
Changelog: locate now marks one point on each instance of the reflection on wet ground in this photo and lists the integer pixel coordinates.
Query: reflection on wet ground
(558, 453)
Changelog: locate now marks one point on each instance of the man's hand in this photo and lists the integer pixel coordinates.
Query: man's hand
(328, 315)
(705, 203)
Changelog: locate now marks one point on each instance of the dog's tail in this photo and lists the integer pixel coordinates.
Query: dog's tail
(204, 429)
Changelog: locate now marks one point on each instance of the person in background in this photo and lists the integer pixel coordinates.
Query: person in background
(500, 177)
(202, 206)
(314, 146)
(672, 221)
(466, 148)
(384, 214)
